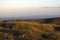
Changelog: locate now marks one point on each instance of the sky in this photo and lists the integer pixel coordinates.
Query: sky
(15, 8)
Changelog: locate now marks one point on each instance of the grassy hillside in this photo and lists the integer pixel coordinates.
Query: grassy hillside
(39, 29)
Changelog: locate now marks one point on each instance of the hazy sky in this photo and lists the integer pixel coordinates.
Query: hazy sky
(14, 8)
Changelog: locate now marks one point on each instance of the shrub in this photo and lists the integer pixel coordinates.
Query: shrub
(48, 20)
(49, 36)
(7, 25)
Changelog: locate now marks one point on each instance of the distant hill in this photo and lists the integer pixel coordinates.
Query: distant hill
(55, 20)
(30, 17)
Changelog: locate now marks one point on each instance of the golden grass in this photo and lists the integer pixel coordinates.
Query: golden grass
(34, 30)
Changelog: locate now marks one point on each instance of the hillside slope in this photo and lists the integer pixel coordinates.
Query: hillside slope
(39, 29)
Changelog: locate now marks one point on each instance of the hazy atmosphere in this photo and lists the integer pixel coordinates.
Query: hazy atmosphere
(22, 8)
(29, 19)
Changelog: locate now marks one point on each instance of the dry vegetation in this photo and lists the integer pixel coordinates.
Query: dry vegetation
(29, 30)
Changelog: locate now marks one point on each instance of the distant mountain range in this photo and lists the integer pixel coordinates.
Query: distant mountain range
(31, 17)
